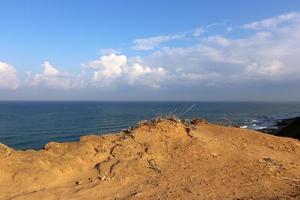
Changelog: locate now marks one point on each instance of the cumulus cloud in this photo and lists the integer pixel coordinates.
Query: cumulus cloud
(107, 67)
(273, 22)
(139, 74)
(49, 70)
(153, 42)
(8, 77)
(112, 68)
(53, 78)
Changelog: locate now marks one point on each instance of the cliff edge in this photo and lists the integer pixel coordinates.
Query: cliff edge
(159, 159)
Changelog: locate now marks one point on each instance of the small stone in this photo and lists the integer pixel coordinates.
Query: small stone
(91, 179)
(78, 182)
(215, 155)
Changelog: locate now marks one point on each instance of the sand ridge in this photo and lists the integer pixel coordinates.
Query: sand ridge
(159, 159)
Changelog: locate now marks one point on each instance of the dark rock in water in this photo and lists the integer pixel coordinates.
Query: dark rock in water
(290, 128)
(286, 128)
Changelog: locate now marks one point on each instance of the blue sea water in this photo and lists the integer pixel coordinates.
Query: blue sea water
(30, 125)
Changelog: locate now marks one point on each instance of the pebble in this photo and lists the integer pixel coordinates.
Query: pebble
(103, 178)
(78, 182)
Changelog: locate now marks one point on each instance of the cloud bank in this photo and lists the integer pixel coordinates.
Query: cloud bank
(268, 54)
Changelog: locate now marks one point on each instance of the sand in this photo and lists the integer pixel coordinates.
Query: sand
(162, 159)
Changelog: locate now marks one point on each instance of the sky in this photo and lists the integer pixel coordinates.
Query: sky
(150, 50)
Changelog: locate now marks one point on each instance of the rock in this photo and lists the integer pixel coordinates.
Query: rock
(78, 182)
(215, 155)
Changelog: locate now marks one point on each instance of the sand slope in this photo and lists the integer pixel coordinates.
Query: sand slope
(164, 159)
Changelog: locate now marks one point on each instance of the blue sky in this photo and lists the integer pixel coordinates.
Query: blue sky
(154, 50)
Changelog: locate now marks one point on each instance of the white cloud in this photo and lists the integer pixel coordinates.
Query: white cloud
(8, 77)
(110, 69)
(272, 22)
(138, 70)
(49, 70)
(107, 67)
(198, 31)
(53, 78)
(153, 42)
(270, 69)
(216, 24)
(139, 74)
(271, 55)
(217, 39)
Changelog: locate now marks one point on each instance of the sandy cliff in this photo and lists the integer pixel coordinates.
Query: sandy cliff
(164, 159)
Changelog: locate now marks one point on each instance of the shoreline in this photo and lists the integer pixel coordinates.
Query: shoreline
(158, 159)
(289, 127)
(32, 125)
(284, 127)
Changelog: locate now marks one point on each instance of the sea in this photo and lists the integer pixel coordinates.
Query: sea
(31, 124)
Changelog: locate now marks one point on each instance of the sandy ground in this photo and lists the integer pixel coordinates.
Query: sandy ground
(157, 160)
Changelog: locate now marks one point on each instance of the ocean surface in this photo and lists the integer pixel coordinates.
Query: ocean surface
(30, 125)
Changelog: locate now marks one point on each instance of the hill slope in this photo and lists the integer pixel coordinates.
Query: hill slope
(164, 159)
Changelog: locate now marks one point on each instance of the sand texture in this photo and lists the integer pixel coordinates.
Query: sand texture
(162, 159)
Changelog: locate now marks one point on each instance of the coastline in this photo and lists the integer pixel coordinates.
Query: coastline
(158, 159)
(289, 127)
(25, 125)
